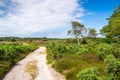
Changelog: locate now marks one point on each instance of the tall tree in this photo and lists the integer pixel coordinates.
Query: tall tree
(76, 30)
(113, 27)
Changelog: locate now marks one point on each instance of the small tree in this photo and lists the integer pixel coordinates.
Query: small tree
(92, 33)
(44, 39)
(76, 30)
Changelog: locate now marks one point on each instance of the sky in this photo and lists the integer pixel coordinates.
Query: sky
(52, 18)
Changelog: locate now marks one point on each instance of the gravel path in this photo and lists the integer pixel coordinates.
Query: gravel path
(44, 71)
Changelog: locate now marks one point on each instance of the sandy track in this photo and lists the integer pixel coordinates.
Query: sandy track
(44, 71)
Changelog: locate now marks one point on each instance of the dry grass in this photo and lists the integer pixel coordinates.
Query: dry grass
(42, 52)
(32, 69)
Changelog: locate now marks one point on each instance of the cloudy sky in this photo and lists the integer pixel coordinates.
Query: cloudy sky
(51, 18)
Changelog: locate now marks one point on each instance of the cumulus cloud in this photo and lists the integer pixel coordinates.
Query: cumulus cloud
(24, 18)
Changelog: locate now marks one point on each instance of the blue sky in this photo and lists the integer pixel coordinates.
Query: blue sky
(101, 9)
(51, 18)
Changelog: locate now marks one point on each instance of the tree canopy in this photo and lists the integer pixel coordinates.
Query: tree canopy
(112, 29)
(76, 30)
(92, 33)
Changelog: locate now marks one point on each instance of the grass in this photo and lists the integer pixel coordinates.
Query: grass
(71, 64)
(32, 69)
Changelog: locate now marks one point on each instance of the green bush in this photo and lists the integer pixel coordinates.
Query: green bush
(10, 54)
(72, 59)
(105, 49)
(113, 67)
(57, 50)
(88, 74)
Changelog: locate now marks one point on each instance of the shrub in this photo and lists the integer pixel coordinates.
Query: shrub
(113, 67)
(88, 74)
(10, 54)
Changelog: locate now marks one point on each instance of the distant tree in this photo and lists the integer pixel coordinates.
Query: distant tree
(13, 39)
(112, 29)
(92, 32)
(44, 39)
(76, 30)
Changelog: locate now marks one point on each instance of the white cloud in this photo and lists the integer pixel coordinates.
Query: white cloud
(27, 17)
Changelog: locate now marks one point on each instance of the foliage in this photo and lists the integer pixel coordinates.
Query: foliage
(44, 39)
(77, 29)
(11, 54)
(70, 59)
(113, 67)
(105, 49)
(113, 27)
(57, 50)
(88, 74)
(92, 33)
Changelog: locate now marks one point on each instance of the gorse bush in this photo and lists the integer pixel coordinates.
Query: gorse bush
(113, 67)
(11, 54)
(70, 59)
(86, 61)
(88, 74)
(8, 51)
(57, 50)
(105, 49)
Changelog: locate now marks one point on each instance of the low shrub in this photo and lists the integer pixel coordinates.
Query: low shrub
(88, 74)
(10, 54)
(112, 67)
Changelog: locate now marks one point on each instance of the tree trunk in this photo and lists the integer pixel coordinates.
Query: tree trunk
(78, 41)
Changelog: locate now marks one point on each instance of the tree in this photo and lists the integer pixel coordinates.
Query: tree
(44, 39)
(92, 33)
(112, 29)
(76, 30)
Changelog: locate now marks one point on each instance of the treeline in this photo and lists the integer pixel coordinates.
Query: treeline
(13, 39)
(11, 53)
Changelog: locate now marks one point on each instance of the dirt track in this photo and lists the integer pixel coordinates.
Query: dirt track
(44, 71)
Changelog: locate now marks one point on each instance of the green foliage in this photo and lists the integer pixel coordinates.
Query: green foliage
(69, 59)
(76, 31)
(77, 59)
(11, 54)
(88, 74)
(113, 67)
(104, 49)
(92, 33)
(57, 50)
(84, 40)
(44, 39)
(113, 27)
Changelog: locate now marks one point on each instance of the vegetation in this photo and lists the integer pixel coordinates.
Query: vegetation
(84, 57)
(113, 67)
(97, 59)
(88, 74)
(113, 27)
(11, 53)
(92, 33)
(91, 59)
(76, 31)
